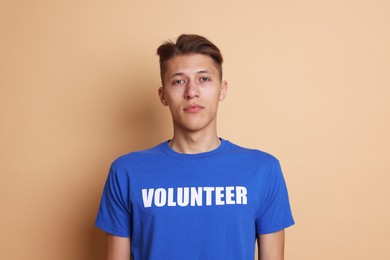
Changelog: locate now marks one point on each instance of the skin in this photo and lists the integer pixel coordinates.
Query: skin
(193, 80)
(118, 248)
(192, 90)
(271, 246)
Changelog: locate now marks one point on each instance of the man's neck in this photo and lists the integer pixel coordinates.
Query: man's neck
(193, 143)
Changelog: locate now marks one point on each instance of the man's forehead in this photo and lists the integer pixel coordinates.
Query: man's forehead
(190, 64)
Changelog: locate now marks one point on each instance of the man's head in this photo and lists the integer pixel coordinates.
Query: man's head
(192, 85)
(188, 44)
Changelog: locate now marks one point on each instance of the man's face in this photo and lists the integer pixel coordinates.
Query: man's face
(192, 90)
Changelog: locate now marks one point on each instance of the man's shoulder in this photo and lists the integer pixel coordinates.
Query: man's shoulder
(252, 153)
(137, 156)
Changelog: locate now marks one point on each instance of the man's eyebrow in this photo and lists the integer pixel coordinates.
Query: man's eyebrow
(176, 74)
(204, 72)
(182, 74)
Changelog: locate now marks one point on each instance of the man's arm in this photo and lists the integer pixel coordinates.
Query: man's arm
(271, 246)
(118, 248)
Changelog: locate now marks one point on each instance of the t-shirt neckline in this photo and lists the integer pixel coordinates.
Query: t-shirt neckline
(198, 156)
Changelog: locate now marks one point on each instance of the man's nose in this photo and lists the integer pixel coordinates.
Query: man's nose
(192, 90)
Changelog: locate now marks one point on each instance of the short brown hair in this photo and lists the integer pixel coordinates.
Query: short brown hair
(188, 44)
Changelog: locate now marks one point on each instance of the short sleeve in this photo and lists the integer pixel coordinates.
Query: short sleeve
(274, 213)
(114, 215)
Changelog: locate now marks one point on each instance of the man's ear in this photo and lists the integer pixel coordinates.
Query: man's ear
(224, 88)
(161, 94)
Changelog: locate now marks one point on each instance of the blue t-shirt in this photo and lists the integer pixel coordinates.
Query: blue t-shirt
(194, 206)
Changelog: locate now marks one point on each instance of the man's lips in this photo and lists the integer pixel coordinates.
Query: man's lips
(193, 108)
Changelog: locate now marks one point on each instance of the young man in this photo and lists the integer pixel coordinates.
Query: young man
(196, 196)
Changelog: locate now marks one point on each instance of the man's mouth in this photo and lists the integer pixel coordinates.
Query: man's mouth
(193, 108)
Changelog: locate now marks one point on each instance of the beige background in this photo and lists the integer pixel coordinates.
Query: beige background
(309, 83)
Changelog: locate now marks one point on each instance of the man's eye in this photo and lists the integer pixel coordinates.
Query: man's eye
(204, 79)
(178, 82)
